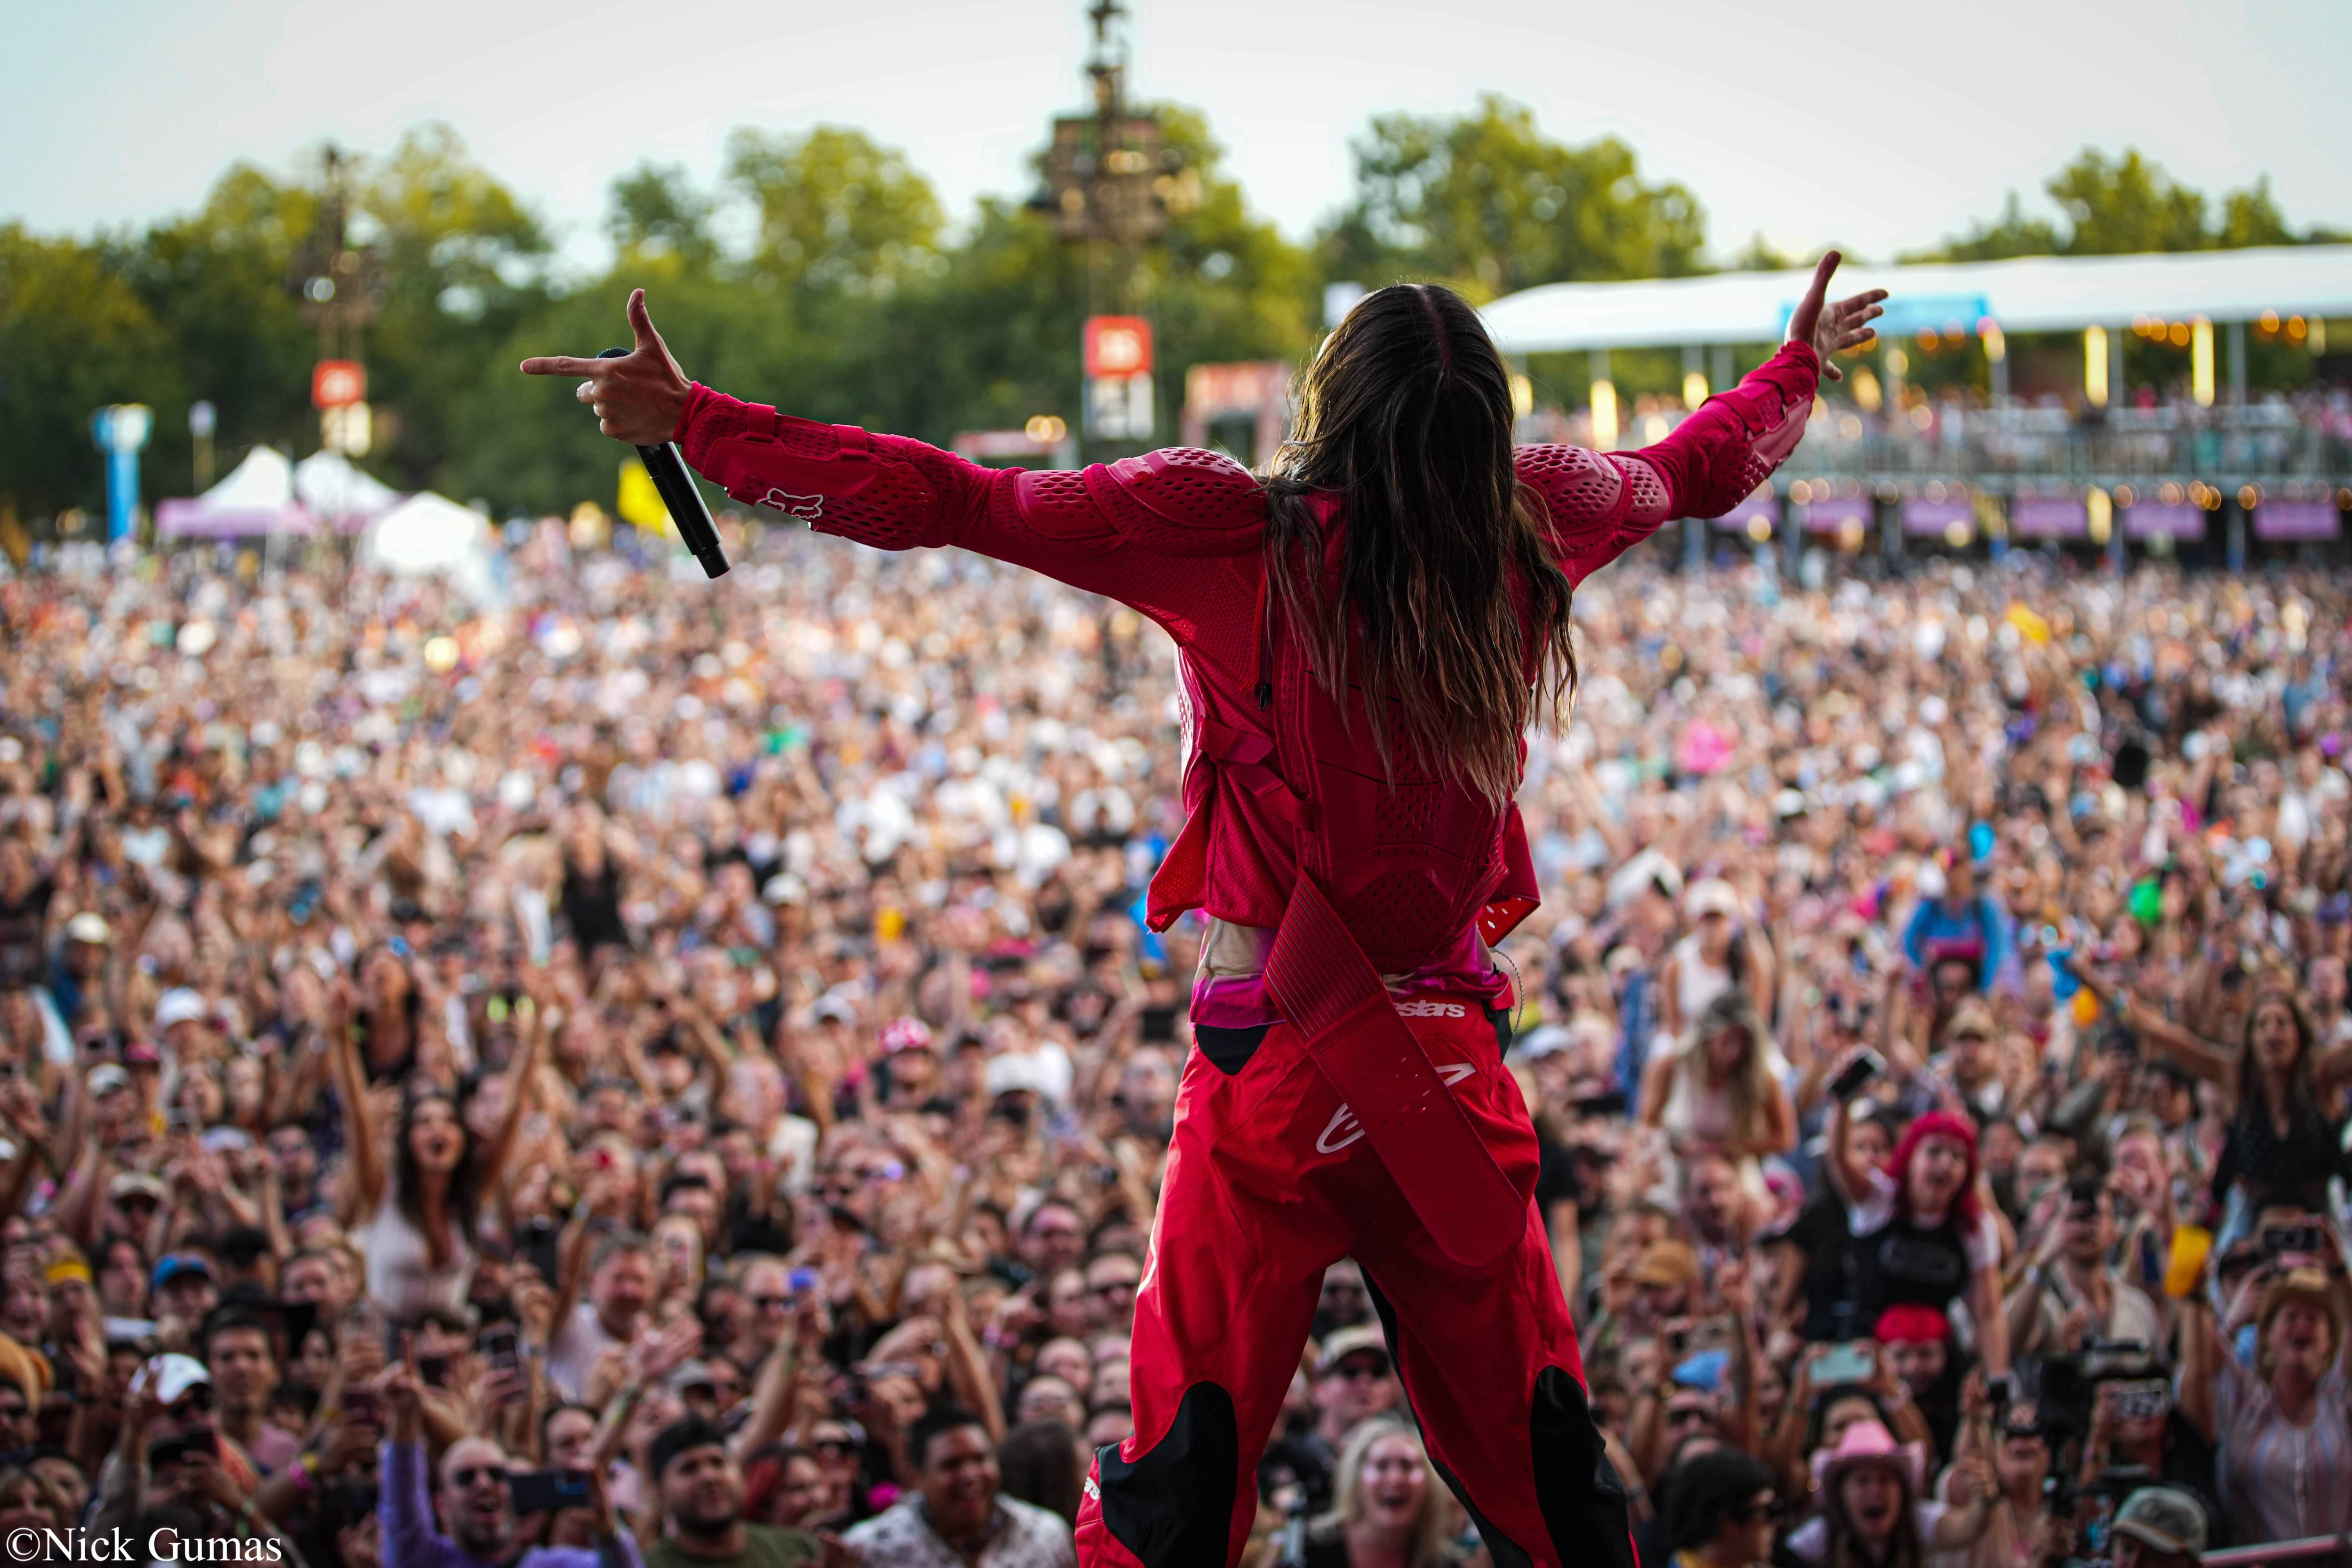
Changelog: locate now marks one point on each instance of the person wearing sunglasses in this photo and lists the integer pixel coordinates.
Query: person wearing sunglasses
(1354, 1382)
(1112, 1282)
(1723, 1511)
(473, 1497)
(839, 1448)
(17, 1427)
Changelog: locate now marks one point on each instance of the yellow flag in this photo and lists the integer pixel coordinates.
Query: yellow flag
(640, 503)
(2026, 621)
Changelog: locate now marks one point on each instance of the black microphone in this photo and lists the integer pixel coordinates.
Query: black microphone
(668, 470)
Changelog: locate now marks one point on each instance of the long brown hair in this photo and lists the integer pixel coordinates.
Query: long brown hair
(2303, 1080)
(1448, 598)
(1752, 1087)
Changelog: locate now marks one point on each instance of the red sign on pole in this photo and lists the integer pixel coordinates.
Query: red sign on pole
(1118, 345)
(338, 382)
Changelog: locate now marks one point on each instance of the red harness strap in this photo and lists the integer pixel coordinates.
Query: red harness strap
(1329, 993)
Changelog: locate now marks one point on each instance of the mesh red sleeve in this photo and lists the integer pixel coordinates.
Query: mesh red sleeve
(1085, 528)
(1713, 459)
(1600, 503)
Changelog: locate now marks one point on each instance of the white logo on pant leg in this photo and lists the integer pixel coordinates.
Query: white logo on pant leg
(1151, 1237)
(1343, 1129)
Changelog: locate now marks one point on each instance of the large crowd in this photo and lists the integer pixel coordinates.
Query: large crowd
(660, 1072)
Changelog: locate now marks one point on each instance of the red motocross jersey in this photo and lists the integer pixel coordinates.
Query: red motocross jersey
(1175, 534)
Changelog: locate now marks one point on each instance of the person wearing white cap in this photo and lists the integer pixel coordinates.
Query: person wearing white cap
(1717, 955)
(80, 967)
(179, 1005)
(170, 1453)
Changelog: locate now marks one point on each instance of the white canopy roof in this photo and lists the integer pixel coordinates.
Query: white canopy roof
(2029, 294)
(430, 536)
(334, 488)
(257, 498)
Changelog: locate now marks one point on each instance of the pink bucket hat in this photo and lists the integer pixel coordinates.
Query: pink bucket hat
(1870, 1443)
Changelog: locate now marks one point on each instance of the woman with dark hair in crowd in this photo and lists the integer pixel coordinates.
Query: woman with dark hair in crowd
(2282, 1146)
(595, 860)
(784, 1485)
(1720, 957)
(388, 1022)
(1874, 1513)
(1819, 1413)
(1043, 1462)
(415, 1220)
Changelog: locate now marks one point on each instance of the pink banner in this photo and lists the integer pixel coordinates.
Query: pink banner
(1933, 517)
(1763, 504)
(2048, 516)
(2298, 520)
(1832, 516)
(191, 520)
(2152, 520)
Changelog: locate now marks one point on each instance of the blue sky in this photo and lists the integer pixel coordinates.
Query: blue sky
(1873, 126)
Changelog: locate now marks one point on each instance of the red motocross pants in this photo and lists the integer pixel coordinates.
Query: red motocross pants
(1269, 1181)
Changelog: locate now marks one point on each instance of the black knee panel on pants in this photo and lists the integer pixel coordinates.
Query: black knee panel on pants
(1582, 1499)
(1174, 1508)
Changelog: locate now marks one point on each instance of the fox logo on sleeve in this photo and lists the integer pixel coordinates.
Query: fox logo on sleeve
(807, 508)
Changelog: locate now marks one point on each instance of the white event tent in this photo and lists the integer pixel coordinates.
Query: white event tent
(430, 536)
(257, 500)
(339, 493)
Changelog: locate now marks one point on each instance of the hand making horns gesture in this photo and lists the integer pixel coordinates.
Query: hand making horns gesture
(1830, 329)
(639, 396)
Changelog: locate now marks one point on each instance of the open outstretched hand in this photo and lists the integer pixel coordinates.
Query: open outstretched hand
(638, 396)
(1831, 329)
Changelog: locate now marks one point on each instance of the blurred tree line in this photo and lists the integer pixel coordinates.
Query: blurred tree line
(820, 272)
(2124, 205)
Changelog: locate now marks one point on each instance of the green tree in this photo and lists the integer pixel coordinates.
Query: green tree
(462, 263)
(837, 213)
(2013, 234)
(1485, 202)
(994, 337)
(844, 229)
(1760, 254)
(2126, 206)
(74, 336)
(2251, 216)
(2123, 206)
(218, 282)
(656, 212)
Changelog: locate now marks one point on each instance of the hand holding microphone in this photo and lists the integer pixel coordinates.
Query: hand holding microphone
(638, 394)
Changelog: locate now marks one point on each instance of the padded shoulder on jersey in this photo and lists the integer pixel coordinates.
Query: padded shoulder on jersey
(1192, 489)
(1578, 486)
(1057, 503)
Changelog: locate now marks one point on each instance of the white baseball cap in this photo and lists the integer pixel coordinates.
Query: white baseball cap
(179, 1005)
(173, 1375)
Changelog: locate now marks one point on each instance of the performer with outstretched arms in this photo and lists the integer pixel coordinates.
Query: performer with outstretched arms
(1364, 639)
